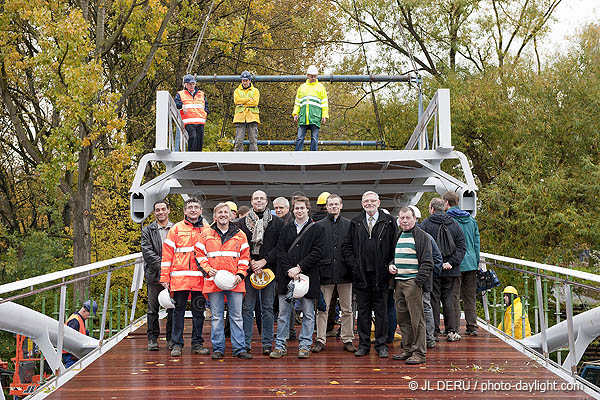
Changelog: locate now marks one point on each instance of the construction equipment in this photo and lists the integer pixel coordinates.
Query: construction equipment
(24, 379)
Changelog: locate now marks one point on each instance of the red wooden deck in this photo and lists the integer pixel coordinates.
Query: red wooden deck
(475, 368)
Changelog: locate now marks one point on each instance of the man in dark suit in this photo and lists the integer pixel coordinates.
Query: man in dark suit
(369, 249)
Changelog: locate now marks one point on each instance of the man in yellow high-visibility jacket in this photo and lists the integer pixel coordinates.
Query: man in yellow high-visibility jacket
(246, 118)
(311, 109)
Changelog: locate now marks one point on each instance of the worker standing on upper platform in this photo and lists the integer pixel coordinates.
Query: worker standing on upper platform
(311, 109)
(246, 118)
(193, 108)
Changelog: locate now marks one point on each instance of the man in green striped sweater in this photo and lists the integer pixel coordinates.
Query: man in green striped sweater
(413, 263)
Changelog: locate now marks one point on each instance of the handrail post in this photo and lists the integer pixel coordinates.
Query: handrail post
(538, 282)
(138, 271)
(571, 333)
(61, 325)
(105, 306)
(557, 297)
(486, 310)
(162, 120)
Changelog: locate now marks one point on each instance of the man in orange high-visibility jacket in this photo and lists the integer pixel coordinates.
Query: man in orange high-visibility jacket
(192, 105)
(77, 321)
(224, 247)
(179, 273)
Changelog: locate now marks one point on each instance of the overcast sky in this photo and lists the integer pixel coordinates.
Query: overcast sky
(571, 15)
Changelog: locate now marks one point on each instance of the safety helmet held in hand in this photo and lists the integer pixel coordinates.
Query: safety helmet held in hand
(165, 300)
(511, 290)
(262, 278)
(301, 284)
(224, 280)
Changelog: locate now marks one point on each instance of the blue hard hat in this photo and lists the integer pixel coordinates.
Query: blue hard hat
(91, 306)
(246, 75)
(188, 78)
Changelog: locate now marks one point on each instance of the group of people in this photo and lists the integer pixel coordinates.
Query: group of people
(381, 263)
(311, 109)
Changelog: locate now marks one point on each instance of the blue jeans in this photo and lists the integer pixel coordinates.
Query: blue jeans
(283, 323)
(234, 312)
(267, 297)
(314, 136)
(198, 306)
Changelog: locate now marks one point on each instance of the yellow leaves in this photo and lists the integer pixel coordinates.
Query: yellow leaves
(334, 383)
(408, 378)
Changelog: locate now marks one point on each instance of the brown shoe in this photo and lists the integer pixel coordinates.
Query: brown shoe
(415, 359)
(318, 347)
(277, 353)
(201, 350)
(303, 353)
(349, 347)
(402, 356)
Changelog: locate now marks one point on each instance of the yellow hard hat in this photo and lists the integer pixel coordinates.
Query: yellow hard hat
(232, 205)
(322, 200)
(262, 278)
(511, 290)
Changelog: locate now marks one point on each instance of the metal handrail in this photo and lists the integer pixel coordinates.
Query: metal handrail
(541, 270)
(99, 268)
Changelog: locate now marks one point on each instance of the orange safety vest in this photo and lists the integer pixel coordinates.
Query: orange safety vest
(81, 324)
(178, 266)
(233, 256)
(195, 113)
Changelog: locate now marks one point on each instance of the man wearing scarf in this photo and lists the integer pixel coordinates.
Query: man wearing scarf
(262, 229)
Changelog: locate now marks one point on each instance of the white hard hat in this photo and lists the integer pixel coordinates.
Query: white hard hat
(416, 210)
(224, 280)
(301, 285)
(312, 70)
(165, 300)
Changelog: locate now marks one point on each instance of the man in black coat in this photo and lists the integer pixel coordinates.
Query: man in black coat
(369, 248)
(300, 248)
(335, 273)
(446, 286)
(262, 230)
(153, 236)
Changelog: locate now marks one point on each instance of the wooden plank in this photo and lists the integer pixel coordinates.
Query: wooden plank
(471, 368)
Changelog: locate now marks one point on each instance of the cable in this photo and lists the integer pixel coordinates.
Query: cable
(199, 41)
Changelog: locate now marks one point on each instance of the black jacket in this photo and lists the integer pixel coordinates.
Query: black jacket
(424, 255)
(333, 268)
(306, 253)
(385, 232)
(319, 215)
(432, 225)
(268, 250)
(152, 252)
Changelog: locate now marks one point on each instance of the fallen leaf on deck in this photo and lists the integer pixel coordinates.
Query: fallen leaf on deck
(408, 378)
(476, 367)
(160, 365)
(143, 370)
(150, 362)
(376, 369)
(334, 383)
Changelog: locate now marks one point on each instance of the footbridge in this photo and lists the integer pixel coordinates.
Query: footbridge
(114, 363)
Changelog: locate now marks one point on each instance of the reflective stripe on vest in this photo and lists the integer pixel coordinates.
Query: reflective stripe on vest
(184, 250)
(212, 254)
(186, 273)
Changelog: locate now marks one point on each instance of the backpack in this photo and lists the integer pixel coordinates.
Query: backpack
(445, 241)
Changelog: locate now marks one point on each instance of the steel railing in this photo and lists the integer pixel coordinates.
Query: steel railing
(44, 283)
(561, 280)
